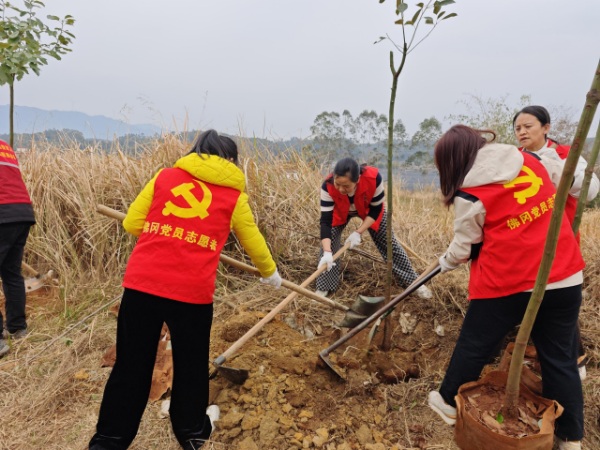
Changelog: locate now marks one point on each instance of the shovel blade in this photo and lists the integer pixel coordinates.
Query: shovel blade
(325, 358)
(351, 319)
(367, 306)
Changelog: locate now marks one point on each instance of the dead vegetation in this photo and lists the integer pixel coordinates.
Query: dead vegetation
(52, 403)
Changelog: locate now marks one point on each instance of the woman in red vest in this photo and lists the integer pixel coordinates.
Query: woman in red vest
(532, 125)
(357, 191)
(502, 200)
(16, 217)
(183, 218)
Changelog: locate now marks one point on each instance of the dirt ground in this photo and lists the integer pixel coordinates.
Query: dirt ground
(290, 400)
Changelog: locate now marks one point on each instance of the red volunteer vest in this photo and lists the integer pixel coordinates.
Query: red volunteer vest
(365, 190)
(571, 206)
(187, 226)
(12, 187)
(516, 222)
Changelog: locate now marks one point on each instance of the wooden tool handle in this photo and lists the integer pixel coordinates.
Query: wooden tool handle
(256, 328)
(245, 267)
(429, 269)
(30, 269)
(111, 212)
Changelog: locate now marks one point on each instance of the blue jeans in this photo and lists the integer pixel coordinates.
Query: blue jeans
(13, 237)
(488, 321)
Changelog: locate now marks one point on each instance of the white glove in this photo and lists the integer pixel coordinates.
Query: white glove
(354, 239)
(327, 259)
(273, 280)
(446, 266)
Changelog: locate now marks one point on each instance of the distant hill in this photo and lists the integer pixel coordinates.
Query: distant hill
(28, 120)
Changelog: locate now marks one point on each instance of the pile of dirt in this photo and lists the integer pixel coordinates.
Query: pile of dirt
(291, 400)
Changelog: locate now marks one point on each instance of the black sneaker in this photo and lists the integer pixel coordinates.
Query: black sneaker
(19, 334)
(194, 444)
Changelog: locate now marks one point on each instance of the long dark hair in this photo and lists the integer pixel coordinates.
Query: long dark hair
(540, 114)
(347, 167)
(455, 155)
(210, 143)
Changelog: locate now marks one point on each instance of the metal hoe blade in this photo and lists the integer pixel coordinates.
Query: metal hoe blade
(237, 376)
(324, 355)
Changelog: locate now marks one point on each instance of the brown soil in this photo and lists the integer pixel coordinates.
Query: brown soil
(293, 400)
(484, 404)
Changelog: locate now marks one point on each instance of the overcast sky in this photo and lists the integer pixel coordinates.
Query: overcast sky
(273, 65)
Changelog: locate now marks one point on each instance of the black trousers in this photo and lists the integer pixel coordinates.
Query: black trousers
(140, 321)
(13, 237)
(489, 320)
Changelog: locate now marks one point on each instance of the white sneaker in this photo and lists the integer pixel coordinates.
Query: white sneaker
(582, 373)
(444, 410)
(566, 445)
(323, 293)
(581, 362)
(424, 292)
(213, 412)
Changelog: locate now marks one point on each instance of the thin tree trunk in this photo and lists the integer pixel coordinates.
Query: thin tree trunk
(514, 375)
(387, 327)
(12, 112)
(589, 171)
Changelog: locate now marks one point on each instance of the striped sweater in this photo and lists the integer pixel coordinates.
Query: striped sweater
(327, 204)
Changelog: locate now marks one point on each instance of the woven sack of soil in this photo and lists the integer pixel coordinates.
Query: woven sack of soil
(528, 377)
(471, 434)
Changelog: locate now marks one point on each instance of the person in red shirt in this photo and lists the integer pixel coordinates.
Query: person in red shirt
(16, 218)
(183, 218)
(502, 199)
(357, 191)
(532, 126)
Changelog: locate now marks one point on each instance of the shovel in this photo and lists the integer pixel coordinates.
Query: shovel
(256, 328)
(38, 281)
(424, 278)
(352, 316)
(375, 327)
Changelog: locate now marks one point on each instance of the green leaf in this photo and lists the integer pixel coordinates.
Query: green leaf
(437, 7)
(429, 20)
(446, 2)
(397, 408)
(413, 404)
(420, 5)
(63, 40)
(399, 22)
(441, 14)
(381, 38)
(381, 1)
(450, 15)
(401, 8)
(414, 19)
(500, 418)
(53, 17)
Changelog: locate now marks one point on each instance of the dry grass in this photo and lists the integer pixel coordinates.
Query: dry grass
(42, 406)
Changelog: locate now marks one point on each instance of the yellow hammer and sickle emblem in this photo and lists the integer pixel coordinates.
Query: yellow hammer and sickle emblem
(196, 209)
(532, 190)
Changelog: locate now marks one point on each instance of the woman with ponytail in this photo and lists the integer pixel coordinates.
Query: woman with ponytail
(182, 218)
(357, 191)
